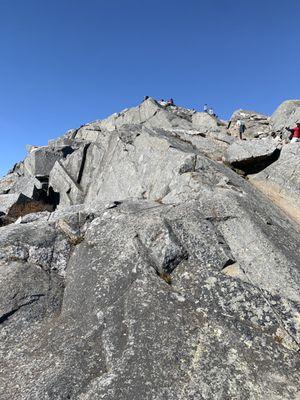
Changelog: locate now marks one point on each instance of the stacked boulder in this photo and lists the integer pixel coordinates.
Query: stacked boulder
(25, 189)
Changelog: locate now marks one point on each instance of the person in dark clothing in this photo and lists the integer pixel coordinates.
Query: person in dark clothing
(242, 127)
(170, 102)
(295, 133)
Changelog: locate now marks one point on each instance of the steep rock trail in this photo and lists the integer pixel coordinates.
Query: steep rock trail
(161, 273)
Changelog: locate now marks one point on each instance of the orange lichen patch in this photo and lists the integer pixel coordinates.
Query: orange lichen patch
(21, 209)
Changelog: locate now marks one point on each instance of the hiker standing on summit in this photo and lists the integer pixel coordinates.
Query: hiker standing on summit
(295, 133)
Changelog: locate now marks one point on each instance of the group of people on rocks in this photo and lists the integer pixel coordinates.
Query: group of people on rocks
(209, 110)
(162, 102)
(294, 132)
(167, 103)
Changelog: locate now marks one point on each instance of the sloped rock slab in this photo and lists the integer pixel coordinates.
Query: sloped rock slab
(286, 115)
(117, 329)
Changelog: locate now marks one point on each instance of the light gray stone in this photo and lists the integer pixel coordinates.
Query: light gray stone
(30, 187)
(280, 181)
(286, 115)
(162, 274)
(7, 182)
(41, 160)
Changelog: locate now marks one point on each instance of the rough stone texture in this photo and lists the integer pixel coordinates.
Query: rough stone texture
(163, 274)
(41, 160)
(204, 122)
(30, 187)
(257, 125)
(286, 115)
(280, 181)
(7, 182)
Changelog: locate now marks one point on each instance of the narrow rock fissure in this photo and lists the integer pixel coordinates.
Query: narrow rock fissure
(84, 154)
(34, 298)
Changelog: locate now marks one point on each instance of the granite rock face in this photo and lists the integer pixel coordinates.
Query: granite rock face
(41, 160)
(162, 273)
(280, 181)
(286, 115)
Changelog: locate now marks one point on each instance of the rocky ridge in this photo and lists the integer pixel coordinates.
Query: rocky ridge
(153, 255)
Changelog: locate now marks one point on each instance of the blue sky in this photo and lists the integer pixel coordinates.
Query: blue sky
(67, 62)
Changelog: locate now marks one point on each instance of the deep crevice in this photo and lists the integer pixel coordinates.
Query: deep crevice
(53, 197)
(256, 165)
(85, 149)
(229, 262)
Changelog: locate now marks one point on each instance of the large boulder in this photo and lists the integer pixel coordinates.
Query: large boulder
(204, 122)
(41, 160)
(30, 187)
(252, 155)
(72, 177)
(286, 115)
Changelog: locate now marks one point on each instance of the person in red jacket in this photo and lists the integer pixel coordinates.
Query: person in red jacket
(295, 133)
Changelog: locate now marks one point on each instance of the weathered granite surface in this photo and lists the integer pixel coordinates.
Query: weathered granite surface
(162, 274)
(286, 115)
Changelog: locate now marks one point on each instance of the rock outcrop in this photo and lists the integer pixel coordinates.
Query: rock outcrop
(160, 274)
(286, 115)
(257, 125)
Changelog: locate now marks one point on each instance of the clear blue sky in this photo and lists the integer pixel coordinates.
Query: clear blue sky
(67, 62)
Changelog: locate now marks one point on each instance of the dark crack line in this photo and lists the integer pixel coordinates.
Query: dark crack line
(6, 316)
(83, 160)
